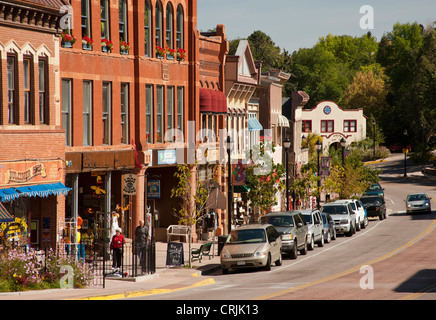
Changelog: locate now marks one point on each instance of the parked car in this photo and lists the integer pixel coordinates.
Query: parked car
(359, 210)
(418, 202)
(375, 206)
(316, 230)
(375, 189)
(293, 230)
(329, 227)
(343, 215)
(252, 246)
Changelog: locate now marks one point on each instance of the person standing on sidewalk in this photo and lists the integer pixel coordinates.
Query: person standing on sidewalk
(117, 246)
(141, 236)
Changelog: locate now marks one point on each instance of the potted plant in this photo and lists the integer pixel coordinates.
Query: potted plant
(181, 54)
(160, 52)
(87, 43)
(67, 39)
(124, 47)
(171, 53)
(106, 45)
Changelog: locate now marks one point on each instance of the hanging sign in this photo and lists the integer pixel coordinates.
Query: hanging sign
(153, 189)
(130, 184)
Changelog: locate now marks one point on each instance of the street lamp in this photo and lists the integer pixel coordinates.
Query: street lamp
(343, 143)
(287, 146)
(373, 144)
(318, 145)
(229, 185)
(405, 151)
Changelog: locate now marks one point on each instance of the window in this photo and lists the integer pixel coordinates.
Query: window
(124, 113)
(169, 26)
(87, 113)
(149, 113)
(327, 126)
(147, 28)
(43, 96)
(170, 112)
(350, 125)
(179, 26)
(158, 24)
(307, 126)
(27, 94)
(104, 19)
(159, 113)
(122, 11)
(66, 110)
(12, 84)
(106, 115)
(86, 19)
(180, 107)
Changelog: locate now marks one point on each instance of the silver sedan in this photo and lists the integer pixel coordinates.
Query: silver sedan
(418, 202)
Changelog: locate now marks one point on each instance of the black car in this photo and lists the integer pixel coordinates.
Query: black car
(375, 206)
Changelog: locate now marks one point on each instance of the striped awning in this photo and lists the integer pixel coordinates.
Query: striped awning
(254, 125)
(5, 216)
(282, 121)
(9, 194)
(44, 190)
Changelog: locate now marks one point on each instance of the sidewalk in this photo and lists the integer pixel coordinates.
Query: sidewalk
(166, 279)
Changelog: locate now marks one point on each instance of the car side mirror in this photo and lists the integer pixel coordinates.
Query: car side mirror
(299, 224)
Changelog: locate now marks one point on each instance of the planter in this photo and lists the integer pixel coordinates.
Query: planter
(86, 46)
(67, 45)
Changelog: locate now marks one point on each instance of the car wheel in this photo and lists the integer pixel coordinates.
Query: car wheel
(293, 253)
(329, 237)
(358, 225)
(311, 245)
(351, 232)
(304, 250)
(364, 223)
(321, 242)
(268, 263)
(334, 234)
(279, 261)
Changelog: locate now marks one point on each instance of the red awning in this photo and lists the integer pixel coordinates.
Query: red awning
(213, 101)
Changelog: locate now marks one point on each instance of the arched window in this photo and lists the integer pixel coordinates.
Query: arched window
(180, 29)
(147, 28)
(158, 24)
(169, 26)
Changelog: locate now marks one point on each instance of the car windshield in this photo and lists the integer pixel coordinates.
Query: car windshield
(335, 209)
(246, 236)
(370, 200)
(374, 187)
(279, 221)
(416, 197)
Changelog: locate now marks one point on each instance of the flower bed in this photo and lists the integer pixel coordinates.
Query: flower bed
(31, 271)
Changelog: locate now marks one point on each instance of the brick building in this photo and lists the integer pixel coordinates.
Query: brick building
(31, 138)
(126, 110)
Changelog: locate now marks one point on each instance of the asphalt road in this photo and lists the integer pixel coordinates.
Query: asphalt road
(390, 259)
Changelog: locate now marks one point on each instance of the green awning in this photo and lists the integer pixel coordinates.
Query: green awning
(240, 189)
(5, 216)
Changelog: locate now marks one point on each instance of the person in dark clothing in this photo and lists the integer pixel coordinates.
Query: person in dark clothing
(141, 236)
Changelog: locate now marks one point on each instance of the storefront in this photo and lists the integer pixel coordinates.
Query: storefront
(32, 193)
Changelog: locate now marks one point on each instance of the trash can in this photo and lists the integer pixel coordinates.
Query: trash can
(221, 242)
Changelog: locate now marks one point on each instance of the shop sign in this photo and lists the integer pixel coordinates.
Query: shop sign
(130, 184)
(325, 166)
(238, 174)
(25, 172)
(166, 157)
(153, 189)
(14, 231)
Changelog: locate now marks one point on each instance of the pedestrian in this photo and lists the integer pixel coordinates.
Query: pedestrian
(117, 246)
(141, 236)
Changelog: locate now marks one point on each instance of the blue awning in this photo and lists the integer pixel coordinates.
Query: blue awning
(9, 194)
(254, 125)
(44, 190)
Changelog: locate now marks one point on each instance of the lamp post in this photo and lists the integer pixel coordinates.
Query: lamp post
(343, 143)
(318, 145)
(229, 185)
(405, 151)
(373, 143)
(287, 145)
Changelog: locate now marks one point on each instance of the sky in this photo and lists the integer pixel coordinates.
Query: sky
(295, 24)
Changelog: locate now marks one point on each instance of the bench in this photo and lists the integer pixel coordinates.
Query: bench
(176, 230)
(203, 251)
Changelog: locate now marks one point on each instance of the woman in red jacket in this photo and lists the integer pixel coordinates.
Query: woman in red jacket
(117, 246)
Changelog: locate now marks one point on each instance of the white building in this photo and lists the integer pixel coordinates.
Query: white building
(333, 123)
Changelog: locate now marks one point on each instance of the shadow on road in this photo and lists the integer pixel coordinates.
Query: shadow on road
(419, 281)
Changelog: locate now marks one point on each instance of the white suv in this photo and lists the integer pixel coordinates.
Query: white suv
(359, 210)
(343, 215)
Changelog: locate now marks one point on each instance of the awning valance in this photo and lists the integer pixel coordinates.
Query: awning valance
(44, 190)
(254, 125)
(212, 101)
(5, 216)
(9, 194)
(282, 121)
